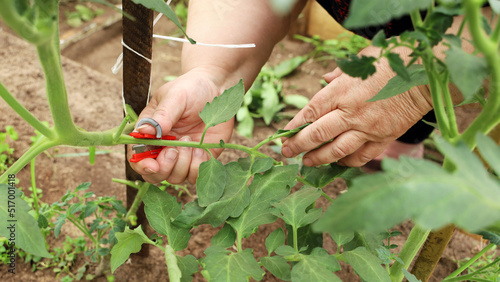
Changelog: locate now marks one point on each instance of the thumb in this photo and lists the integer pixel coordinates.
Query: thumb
(166, 111)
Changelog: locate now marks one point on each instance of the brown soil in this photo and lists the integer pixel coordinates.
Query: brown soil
(95, 102)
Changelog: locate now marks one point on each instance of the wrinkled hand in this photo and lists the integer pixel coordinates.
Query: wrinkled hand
(360, 130)
(176, 106)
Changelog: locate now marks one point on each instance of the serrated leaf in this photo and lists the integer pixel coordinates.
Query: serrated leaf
(341, 238)
(90, 208)
(321, 176)
(210, 182)
(493, 237)
(42, 221)
(188, 266)
(103, 251)
(161, 7)
(307, 240)
(225, 237)
(419, 189)
(278, 266)
(358, 67)
(174, 272)
(410, 277)
(318, 266)
(270, 102)
(161, 209)
(366, 265)
(275, 240)
(288, 66)
(398, 66)
(379, 39)
(363, 13)
(292, 209)
(27, 234)
(129, 242)
(259, 165)
(286, 251)
(461, 65)
(222, 265)
(118, 207)
(59, 223)
(398, 85)
(297, 101)
(490, 151)
(272, 186)
(83, 186)
(223, 107)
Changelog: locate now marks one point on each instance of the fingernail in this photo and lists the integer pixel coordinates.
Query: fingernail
(141, 127)
(171, 154)
(185, 139)
(286, 152)
(149, 171)
(307, 162)
(328, 76)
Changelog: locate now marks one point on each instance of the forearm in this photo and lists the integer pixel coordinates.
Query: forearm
(233, 22)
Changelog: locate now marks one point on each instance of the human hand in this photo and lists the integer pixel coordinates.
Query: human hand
(176, 106)
(360, 130)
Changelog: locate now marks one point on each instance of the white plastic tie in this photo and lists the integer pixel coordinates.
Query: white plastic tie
(250, 45)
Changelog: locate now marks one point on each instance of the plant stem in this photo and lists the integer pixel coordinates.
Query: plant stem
(295, 238)
(415, 240)
(120, 129)
(20, 24)
(131, 214)
(25, 114)
(130, 183)
(32, 152)
(469, 262)
(33, 189)
(450, 111)
(238, 242)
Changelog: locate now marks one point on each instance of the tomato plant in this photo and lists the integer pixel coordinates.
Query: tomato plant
(245, 194)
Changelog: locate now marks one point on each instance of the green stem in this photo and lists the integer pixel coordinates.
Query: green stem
(326, 196)
(120, 129)
(132, 212)
(450, 110)
(471, 275)
(27, 157)
(416, 18)
(21, 25)
(25, 114)
(130, 183)
(495, 35)
(471, 261)
(415, 240)
(33, 189)
(295, 238)
(238, 242)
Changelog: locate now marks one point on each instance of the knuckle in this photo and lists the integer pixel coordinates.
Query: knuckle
(337, 152)
(320, 134)
(310, 113)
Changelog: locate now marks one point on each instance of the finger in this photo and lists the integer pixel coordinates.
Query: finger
(181, 168)
(344, 145)
(165, 109)
(199, 156)
(329, 77)
(363, 155)
(144, 167)
(323, 130)
(166, 161)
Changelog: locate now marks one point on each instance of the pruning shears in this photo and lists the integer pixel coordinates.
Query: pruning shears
(143, 151)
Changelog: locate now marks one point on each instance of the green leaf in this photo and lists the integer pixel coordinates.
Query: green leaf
(160, 209)
(366, 265)
(16, 220)
(188, 266)
(461, 65)
(275, 240)
(307, 239)
(292, 209)
(92, 155)
(321, 176)
(410, 277)
(278, 266)
(90, 208)
(42, 221)
(490, 151)
(223, 265)
(290, 132)
(358, 67)
(363, 13)
(129, 241)
(245, 127)
(495, 5)
(272, 186)
(259, 165)
(318, 266)
(83, 186)
(103, 251)
(59, 223)
(174, 272)
(286, 251)
(419, 189)
(161, 7)
(379, 39)
(270, 102)
(493, 237)
(341, 238)
(398, 85)
(210, 182)
(398, 66)
(297, 101)
(225, 237)
(118, 206)
(223, 107)
(288, 66)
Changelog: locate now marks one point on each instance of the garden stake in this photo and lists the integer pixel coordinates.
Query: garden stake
(137, 34)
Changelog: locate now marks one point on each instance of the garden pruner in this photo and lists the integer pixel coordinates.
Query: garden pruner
(143, 151)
